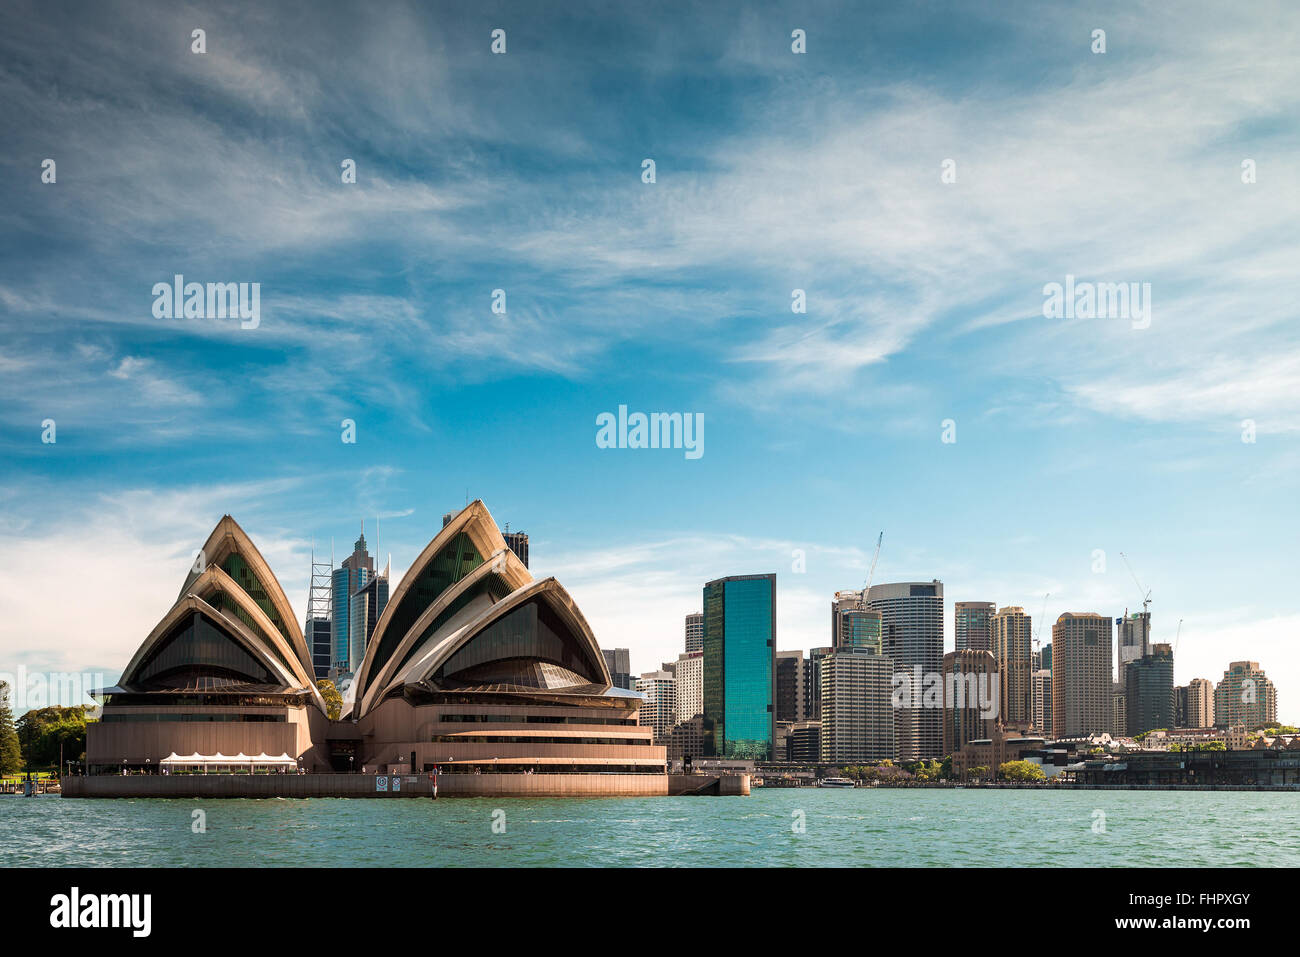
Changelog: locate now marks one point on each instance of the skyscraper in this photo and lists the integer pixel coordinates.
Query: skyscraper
(974, 625)
(857, 626)
(694, 632)
(1200, 703)
(857, 722)
(1149, 691)
(517, 542)
(740, 667)
(689, 672)
(853, 624)
(1082, 664)
(660, 709)
(618, 662)
(354, 571)
(791, 692)
(1012, 632)
(912, 630)
(972, 676)
(1133, 638)
(1244, 696)
(1042, 680)
(364, 608)
(813, 707)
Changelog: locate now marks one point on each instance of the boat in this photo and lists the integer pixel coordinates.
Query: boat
(835, 783)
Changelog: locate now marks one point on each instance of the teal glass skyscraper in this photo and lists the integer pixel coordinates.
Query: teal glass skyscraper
(740, 667)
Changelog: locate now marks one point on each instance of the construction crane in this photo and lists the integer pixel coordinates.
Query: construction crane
(1146, 592)
(862, 602)
(1178, 634)
(1038, 628)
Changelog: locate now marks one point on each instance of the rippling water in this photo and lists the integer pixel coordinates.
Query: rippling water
(866, 827)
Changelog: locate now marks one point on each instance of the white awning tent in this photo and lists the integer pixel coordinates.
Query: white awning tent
(207, 762)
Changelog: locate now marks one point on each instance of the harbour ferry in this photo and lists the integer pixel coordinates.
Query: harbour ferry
(835, 783)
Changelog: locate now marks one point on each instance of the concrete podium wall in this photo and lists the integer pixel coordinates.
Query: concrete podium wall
(362, 785)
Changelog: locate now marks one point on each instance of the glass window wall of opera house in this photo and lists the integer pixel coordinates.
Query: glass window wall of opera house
(475, 669)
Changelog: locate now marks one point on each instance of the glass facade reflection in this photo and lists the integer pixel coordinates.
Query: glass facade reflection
(739, 666)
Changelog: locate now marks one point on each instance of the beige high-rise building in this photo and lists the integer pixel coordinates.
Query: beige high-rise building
(689, 672)
(1013, 648)
(1200, 703)
(1245, 696)
(1082, 665)
(857, 722)
(1042, 682)
(660, 708)
(971, 706)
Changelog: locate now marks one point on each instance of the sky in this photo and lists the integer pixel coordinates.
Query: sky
(1076, 438)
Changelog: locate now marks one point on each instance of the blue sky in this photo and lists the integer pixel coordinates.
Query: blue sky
(775, 172)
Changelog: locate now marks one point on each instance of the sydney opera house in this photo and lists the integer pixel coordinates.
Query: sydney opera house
(474, 668)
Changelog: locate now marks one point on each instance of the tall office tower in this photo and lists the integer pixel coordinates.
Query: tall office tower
(974, 625)
(1082, 663)
(1244, 696)
(1042, 680)
(912, 630)
(740, 667)
(1200, 703)
(354, 571)
(694, 632)
(660, 709)
(853, 623)
(971, 698)
(1149, 691)
(365, 606)
(791, 691)
(857, 722)
(517, 542)
(1045, 657)
(813, 706)
(859, 628)
(317, 630)
(1118, 710)
(1133, 638)
(618, 661)
(1180, 706)
(1013, 645)
(689, 672)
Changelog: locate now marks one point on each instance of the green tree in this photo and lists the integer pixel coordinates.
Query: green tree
(1021, 771)
(978, 772)
(333, 700)
(47, 733)
(11, 753)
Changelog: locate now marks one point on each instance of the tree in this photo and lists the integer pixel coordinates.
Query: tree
(333, 700)
(1021, 771)
(11, 754)
(46, 734)
(978, 771)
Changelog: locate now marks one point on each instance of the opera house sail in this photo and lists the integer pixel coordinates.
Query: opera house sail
(475, 669)
(226, 671)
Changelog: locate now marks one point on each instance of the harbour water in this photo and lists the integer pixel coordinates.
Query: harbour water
(786, 827)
